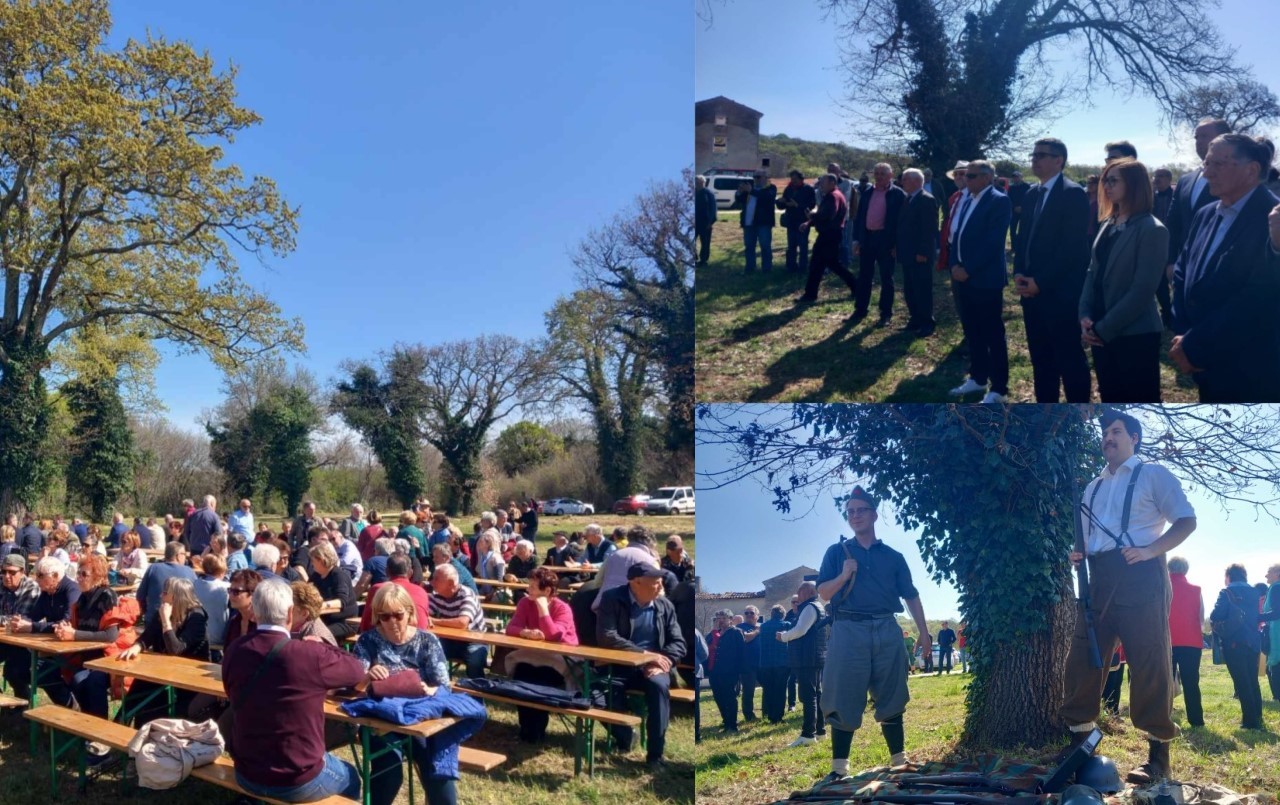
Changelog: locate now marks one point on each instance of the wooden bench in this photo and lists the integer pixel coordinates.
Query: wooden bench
(221, 772)
(12, 701)
(478, 760)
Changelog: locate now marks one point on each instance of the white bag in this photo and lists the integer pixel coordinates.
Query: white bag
(167, 749)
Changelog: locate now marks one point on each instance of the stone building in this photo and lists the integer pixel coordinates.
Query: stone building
(726, 135)
(777, 590)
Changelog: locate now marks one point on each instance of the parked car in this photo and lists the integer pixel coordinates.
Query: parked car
(724, 185)
(670, 500)
(633, 504)
(563, 506)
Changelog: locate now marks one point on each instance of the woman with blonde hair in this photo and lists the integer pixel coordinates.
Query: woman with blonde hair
(131, 562)
(177, 628)
(335, 589)
(1119, 318)
(489, 563)
(307, 604)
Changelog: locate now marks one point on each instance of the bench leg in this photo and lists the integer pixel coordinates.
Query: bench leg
(32, 695)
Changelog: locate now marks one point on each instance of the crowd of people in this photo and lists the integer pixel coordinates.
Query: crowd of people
(274, 607)
(1100, 271)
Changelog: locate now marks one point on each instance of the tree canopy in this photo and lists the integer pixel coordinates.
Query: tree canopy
(525, 445)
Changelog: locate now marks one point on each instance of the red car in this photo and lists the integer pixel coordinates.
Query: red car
(630, 505)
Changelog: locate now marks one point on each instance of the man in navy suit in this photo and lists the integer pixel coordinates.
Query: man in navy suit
(917, 248)
(797, 199)
(704, 218)
(1192, 192)
(757, 219)
(1226, 281)
(978, 267)
(1049, 266)
(874, 230)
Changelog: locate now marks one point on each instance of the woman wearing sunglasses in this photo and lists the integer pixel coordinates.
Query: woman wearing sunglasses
(96, 600)
(240, 598)
(397, 644)
(540, 615)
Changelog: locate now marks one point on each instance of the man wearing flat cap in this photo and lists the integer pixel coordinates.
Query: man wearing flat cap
(638, 617)
(866, 582)
(1123, 516)
(18, 595)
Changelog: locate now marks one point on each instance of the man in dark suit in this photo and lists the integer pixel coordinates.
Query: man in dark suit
(917, 248)
(758, 198)
(797, 199)
(1049, 266)
(1017, 194)
(704, 217)
(1162, 205)
(1192, 192)
(1226, 282)
(978, 267)
(637, 617)
(830, 221)
(873, 235)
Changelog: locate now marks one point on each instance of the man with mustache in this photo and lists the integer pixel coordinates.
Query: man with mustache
(1124, 513)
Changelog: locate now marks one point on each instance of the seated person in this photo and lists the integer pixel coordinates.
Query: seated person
(443, 555)
(458, 607)
(523, 560)
(540, 615)
(131, 562)
(488, 563)
(676, 560)
(178, 628)
(348, 554)
(307, 604)
(240, 598)
(398, 572)
(89, 688)
(375, 570)
(53, 606)
(637, 617)
(396, 644)
(276, 687)
(18, 596)
(335, 588)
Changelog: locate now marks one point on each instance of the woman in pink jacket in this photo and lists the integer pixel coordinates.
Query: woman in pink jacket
(540, 615)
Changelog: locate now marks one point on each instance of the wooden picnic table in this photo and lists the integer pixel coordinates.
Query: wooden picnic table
(610, 656)
(206, 677)
(45, 645)
(124, 589)
(584, 569)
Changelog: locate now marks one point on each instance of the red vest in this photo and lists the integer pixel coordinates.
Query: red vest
(1185, 628)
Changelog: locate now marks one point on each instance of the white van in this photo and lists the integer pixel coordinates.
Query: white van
(670, 500)
(724, 184)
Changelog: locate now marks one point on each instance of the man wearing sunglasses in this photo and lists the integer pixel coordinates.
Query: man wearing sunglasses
(18, 594)
(866, 582)
(53, 606)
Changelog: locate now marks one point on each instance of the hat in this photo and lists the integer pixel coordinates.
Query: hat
(644, 570)
(859, 493)
(14, 560)
(960, 165)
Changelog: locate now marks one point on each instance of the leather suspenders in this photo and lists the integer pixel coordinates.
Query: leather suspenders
(1124, 515)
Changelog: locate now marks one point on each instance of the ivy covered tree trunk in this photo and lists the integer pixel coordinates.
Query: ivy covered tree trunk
(101, 455)
(25, 469)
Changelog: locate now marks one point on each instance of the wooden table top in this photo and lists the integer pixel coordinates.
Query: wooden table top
(579, 569)
(607, 655)
(508, 609)
(48, 644)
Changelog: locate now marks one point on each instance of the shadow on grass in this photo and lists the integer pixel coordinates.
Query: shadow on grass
(1207, 741)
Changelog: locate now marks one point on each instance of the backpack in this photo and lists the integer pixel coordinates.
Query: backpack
(1229, 628)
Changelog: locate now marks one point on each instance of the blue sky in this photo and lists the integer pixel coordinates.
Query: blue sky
(743, 540)
(448, 155)
(797, 81)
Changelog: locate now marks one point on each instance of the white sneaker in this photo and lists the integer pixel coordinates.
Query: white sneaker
(993, 397)
(802, 741)
(969, 386)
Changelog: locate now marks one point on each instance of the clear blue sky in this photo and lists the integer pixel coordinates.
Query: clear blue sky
(448, 155)
(743, 540)
(797, 80)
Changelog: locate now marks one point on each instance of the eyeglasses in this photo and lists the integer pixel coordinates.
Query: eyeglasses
(973, 175)
(1111, 181)
(82, 574)
(858, 511)
(236, 590)
(1042, 155)
(44, 575)
(1218, 163)
(383, 617)
(10, 572)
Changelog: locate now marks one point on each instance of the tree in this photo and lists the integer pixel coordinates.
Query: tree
(525, 445)
(115, 199)
(609, 375)
(101, 458)
(965, 78)
(171, 464)
(385, 414)
(643, 260)
(990, 490)
(1244, 103)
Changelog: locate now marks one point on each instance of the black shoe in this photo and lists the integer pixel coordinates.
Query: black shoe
(806, 300)
(858, 316)
(884, 321)
(926, 331)
(656, 764)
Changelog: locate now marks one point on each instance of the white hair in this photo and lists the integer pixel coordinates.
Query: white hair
(488, 517)
(447, 570)
(210, 501)
(524, 543)
(266, 555)
(443, 551)
(593, 528)
(51, 566)
(357, 506)
(402, 546)
(272, 600)
(916, 172)
(384, 546)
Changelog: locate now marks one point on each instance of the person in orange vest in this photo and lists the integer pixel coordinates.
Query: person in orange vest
(1186, 619)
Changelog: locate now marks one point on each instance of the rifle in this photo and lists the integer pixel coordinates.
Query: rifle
(937, 798)
(1082, 570)
(844, 591)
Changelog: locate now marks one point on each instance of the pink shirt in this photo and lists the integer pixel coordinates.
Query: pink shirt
(557, 626)
(876, 209)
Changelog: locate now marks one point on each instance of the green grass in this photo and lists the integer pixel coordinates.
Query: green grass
(756, 766)
(754, 344)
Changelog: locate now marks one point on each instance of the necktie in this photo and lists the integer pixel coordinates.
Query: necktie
(964, 215)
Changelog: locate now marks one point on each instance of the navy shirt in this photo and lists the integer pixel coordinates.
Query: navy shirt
(643, 632)
(596, 554)
(117, 531)
(751, 655)
(883, 580)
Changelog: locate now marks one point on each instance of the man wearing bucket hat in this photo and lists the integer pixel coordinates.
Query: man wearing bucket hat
(866, 582)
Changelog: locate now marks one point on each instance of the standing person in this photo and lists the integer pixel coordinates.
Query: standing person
(201, 526)
(978, 266)
(1017, 193)
(529, 521)
(1118, 315)
(1186, 619)
(726, 668)
(1091, 190)
(758, 198)
(1225, 282)
(874, 230)
(916, 248)
(946, 639)
(369, 536)
(791, 617)
(798, 199)
(806, 641)
(704, 218)
(1238, 633)
(1192, 192)
(353, 524)
(773, 666)
(1049, 266)
(241, 520)
(830, 221)
(302, 525)
(1123, 516)
(866, 656)
(749, 677)
(30, 538)
(1271, 609)
(1161, 206)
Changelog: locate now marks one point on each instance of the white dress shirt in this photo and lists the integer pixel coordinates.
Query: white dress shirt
(1157, 501)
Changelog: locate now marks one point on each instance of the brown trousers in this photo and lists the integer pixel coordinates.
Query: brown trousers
(1130, 605)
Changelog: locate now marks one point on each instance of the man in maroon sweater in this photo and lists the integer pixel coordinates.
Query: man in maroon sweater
(277, 687)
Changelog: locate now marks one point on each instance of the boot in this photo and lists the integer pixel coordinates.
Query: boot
(1155, 769)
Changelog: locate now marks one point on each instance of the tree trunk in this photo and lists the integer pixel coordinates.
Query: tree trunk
(25, 469)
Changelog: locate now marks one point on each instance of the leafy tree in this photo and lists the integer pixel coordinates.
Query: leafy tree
(115, 200)
(610, 375)
(525, 445)
(386, 417)
(101, 456)
(960, 79)
(990, 491)
(1244, 103)
(286, 419)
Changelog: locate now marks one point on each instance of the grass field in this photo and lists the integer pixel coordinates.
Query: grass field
(755, 766)
(756, 345)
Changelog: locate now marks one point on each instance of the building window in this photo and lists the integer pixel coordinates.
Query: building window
(719, 145)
